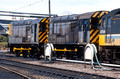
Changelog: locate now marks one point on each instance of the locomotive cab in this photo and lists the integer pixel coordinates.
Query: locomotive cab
(109, 42)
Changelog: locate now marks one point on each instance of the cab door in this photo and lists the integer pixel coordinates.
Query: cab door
(85, 29)
(108, 30)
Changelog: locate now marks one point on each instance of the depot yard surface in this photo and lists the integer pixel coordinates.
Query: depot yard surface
(68, 66)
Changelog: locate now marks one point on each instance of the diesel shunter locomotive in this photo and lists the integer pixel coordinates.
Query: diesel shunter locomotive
(28, 37)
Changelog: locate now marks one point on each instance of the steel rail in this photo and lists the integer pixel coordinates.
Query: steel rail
(20, 74)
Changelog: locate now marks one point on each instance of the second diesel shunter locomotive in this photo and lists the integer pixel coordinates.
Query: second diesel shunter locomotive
(70, 34)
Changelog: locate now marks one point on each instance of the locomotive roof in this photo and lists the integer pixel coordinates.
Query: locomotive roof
(116, 11)
(26, 22)
(85, 15)
(72, 17)
(64, 18)
(113, 13)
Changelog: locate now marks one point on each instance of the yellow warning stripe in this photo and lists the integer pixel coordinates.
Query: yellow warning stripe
(100, 14)
(100, 21)
(91, 31)
(43, 38)
(95, 39)
(92, 36)
(90, 20)
(47, 30)
(43, 19)
(46, 41)
(94, 33)
(95, 14)
(47, 20)
(47, 26)
(90, 26)
(42, 35)
(106, 12)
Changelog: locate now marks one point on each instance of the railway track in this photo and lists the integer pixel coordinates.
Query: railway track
(19, 75)
(69, 61)
(50, 72)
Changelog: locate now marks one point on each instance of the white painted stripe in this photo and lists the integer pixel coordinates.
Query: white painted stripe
(113, 35)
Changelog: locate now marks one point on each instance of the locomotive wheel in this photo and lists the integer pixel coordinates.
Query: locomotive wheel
(67, 55)
(30, 55)
(38, 56)
(17, 54)
(59, 55)
(24, 54)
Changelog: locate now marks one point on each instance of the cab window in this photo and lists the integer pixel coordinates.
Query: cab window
(104, 23)
(109, 22)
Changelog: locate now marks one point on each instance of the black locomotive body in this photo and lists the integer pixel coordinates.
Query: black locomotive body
(70, 34)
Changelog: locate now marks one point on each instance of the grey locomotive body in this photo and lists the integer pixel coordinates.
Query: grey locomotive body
(71, 29)
(24, 32)
(28, 37)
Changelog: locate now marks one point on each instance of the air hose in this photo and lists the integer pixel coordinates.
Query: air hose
(95, 51)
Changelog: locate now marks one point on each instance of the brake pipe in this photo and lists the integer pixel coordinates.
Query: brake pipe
(95, 51)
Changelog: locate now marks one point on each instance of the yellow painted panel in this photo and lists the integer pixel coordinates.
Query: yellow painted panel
(102, 40)
(9, 29)
(115, 18)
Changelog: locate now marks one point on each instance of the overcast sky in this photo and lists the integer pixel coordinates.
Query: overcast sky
(60, 7)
